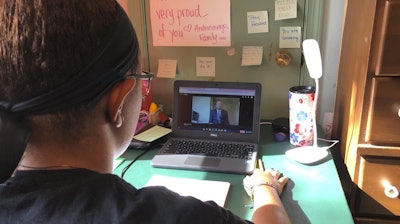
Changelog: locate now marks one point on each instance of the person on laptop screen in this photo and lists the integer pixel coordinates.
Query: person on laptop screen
(70, 97)
(219, 115)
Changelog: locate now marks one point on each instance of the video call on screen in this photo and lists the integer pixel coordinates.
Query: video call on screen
(198, 112)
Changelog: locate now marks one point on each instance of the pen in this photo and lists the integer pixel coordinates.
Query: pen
(260, 165)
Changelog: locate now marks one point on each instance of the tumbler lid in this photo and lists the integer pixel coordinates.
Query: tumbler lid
(302, 89)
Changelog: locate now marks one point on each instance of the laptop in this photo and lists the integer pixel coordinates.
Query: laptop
(224, 115)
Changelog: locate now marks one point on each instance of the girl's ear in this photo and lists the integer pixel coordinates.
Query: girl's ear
(116, 99)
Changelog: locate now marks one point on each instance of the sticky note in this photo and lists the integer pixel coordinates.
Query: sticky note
(285, 9)
(166, 68)
(290, 37)
(205, 66)
(252, 55)
(257, 22)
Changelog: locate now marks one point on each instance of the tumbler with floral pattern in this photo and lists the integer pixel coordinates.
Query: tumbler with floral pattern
(301, 99)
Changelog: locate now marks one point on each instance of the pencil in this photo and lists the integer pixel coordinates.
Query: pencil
(260, 165)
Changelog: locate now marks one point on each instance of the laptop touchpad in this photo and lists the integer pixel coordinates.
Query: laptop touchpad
(202, 161)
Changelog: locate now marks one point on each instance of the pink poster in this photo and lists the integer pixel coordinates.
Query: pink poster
(190, 23)
(124, 4)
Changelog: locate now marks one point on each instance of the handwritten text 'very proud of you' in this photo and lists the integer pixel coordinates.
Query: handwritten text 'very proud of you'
(178, 22)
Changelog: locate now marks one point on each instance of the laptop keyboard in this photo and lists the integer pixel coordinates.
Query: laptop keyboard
(216, 149)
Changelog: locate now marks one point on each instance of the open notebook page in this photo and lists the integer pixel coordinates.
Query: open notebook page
(205, 190)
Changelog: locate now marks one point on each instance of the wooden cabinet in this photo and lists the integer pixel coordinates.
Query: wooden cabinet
(367, 109)
(388, 31)
(380, 187)
(383, 126)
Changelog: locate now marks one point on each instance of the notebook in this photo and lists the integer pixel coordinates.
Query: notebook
(196, 118)
(205, 190)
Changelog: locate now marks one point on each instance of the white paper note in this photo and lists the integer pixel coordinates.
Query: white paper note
(257, 22)
(152, 134)
(205, 66)
(290, 37)
(205, 190)
(252, 55)
(285, 9)
(166, 68)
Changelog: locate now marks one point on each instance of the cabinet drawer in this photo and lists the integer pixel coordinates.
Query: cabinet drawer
(384, 114)
(389, 33)
(375, 175)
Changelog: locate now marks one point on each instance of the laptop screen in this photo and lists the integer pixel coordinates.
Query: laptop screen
(222, 110)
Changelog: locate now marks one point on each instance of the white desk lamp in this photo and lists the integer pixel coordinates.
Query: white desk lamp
(311, 154)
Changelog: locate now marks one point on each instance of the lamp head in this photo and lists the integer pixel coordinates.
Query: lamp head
(312, 55)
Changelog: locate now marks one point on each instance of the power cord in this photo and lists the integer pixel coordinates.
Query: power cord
(334, 142)
(130, 164)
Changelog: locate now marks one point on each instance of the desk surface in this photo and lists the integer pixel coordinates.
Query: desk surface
(312, 195)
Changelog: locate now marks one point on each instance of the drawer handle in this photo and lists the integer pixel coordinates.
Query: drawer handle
(398, 112)
(391, 191)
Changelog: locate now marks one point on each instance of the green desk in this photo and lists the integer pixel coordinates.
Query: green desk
(313, 194)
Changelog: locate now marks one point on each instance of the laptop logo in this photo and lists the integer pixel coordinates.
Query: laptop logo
(213, 135)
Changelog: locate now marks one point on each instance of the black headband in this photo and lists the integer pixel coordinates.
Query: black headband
(109, 66)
